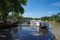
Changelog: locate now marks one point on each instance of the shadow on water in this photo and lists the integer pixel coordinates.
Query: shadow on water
(5, 34)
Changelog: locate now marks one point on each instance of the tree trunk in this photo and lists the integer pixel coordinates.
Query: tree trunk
(4, 18)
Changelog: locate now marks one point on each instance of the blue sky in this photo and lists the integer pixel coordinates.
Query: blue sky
(40, 8)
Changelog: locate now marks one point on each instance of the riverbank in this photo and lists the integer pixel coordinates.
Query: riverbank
(55, 29)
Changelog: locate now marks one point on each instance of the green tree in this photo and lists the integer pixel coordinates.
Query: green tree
(7, 6)
(45, 18)
(54, 17)
(58, 14)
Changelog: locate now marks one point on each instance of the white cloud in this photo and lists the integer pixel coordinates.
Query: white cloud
(50, 12)
(56, 4)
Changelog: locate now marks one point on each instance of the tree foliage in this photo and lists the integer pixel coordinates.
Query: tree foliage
(45, 18)
(7, 6)
(52, 18)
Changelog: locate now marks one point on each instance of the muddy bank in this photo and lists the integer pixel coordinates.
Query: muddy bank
(55, 29)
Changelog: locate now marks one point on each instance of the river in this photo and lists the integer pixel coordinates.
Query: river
(24, 33)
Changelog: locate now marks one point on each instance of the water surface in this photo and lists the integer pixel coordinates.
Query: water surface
(25, 33)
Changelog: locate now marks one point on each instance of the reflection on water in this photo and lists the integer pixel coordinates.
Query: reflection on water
(31, 33)
(24, 33)
(15, 30)
(5, 34)
(43, 32)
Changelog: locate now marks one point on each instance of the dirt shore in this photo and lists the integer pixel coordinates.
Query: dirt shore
(55, 29)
